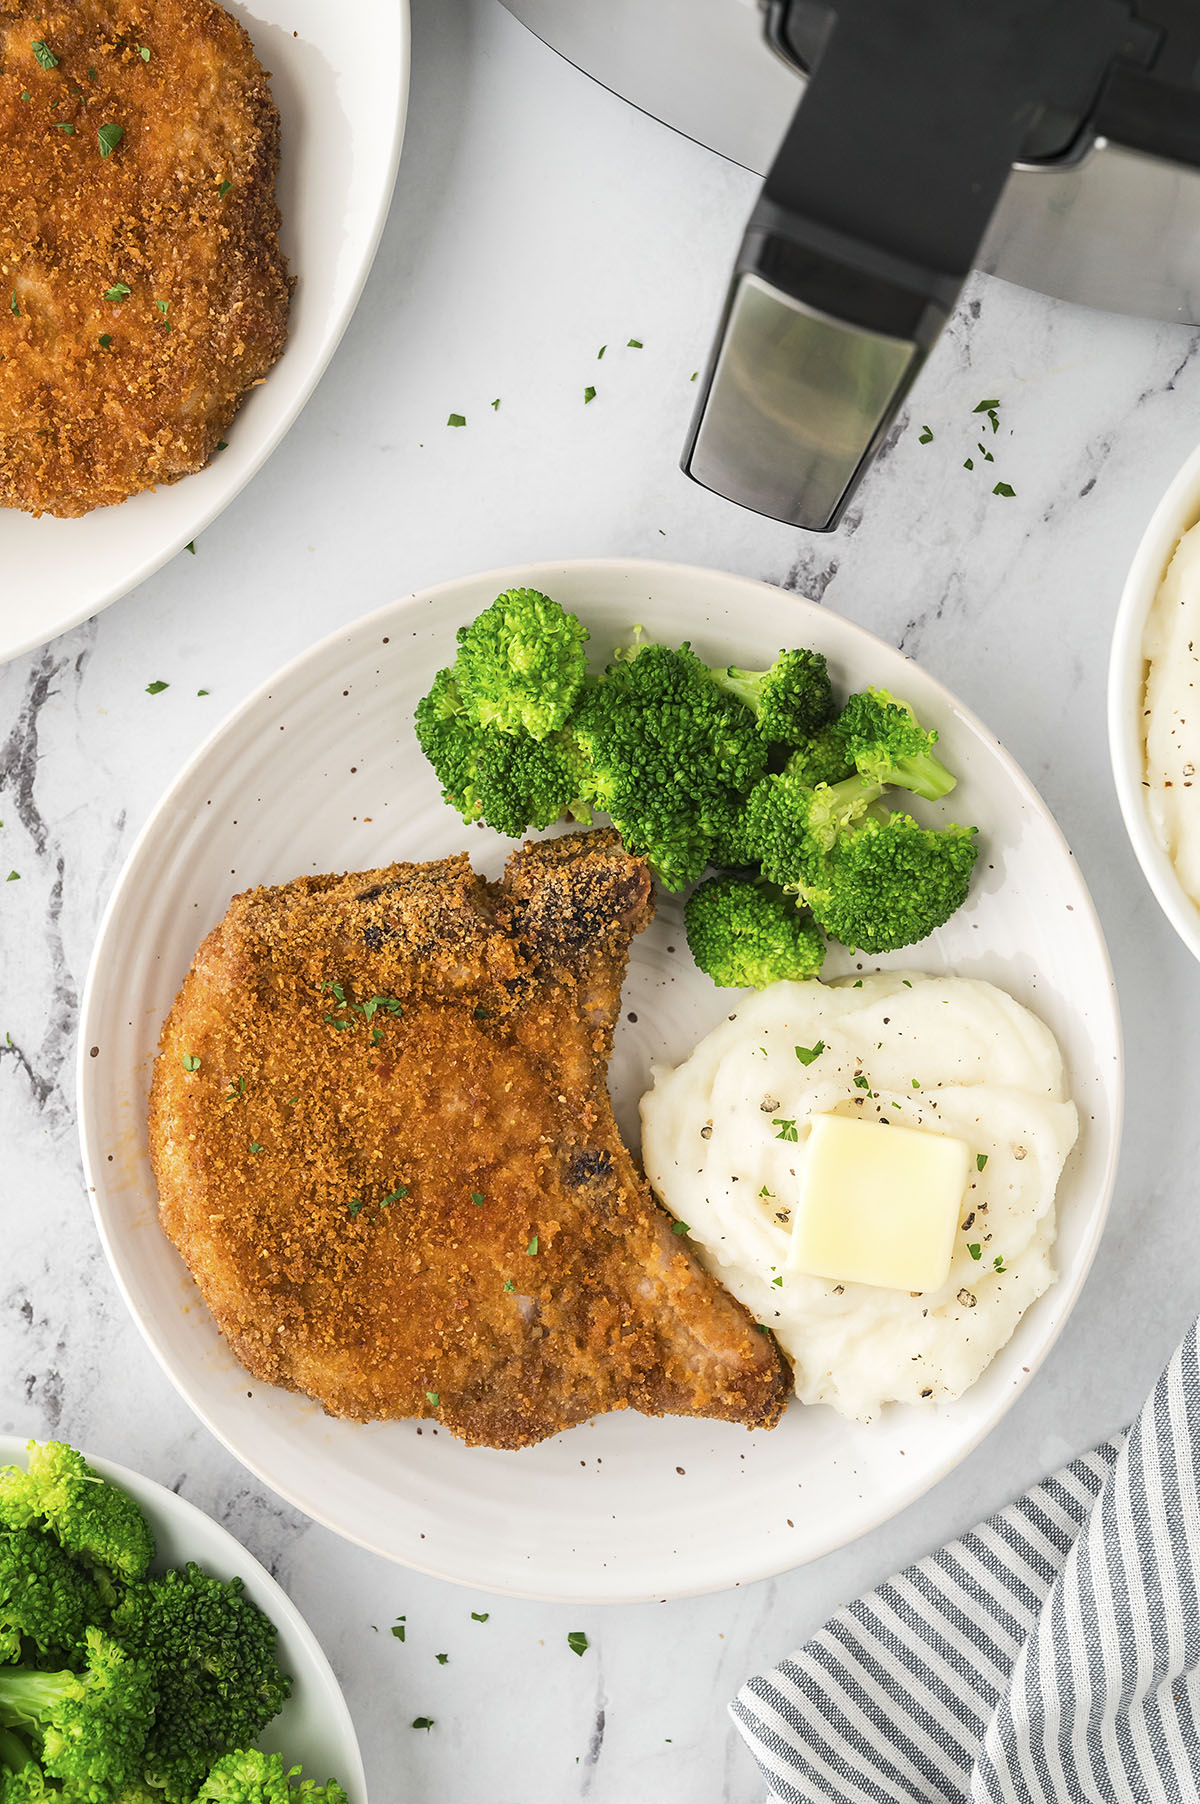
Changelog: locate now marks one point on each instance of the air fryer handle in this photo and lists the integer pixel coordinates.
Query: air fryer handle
(868, 224)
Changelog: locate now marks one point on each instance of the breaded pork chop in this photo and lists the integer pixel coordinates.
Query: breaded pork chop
(384, 1145)
(142, 288)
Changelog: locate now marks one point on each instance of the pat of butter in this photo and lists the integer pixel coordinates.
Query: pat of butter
(878, 1204)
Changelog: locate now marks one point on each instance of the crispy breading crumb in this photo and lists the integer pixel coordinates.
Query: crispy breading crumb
(142, 287)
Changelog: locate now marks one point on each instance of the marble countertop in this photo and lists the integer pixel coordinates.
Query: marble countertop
(537, 217)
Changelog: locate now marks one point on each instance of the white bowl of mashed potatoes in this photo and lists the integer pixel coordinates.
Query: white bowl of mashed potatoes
(1154, 703)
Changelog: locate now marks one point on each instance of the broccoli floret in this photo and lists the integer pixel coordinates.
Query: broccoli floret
(88, 1728)
(91, 1518)
(791, 827)
(248, 1777)
(790, 701)
(45, 1597)
(888, 882)
(747, 934)
(508, 779)
(730, 848)
(521, 664)
(888, 744)
(821, 759)
(668, 755)
(212, 1655)
(22, 1780)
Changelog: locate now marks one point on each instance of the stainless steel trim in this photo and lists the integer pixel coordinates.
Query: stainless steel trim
(794, 405)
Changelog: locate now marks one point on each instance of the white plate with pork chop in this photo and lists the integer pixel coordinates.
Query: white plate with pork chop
(320, 771)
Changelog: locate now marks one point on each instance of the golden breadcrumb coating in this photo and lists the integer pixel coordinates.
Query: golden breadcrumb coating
(142, 288)
(384, 1145)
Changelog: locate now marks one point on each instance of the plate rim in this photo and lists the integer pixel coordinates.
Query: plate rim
(1176, 511)
(502, 577)
(140, 1486)
(158, 560)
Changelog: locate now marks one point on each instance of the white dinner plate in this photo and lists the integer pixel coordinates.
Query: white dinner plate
(341, 86)
(313, 1729)
(320, 771)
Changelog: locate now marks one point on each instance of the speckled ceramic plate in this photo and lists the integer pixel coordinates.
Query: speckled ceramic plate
(320, 772)
(313, 1729)
(341, 87)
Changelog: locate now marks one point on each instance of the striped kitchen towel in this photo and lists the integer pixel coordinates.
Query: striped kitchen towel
(1052, 1656)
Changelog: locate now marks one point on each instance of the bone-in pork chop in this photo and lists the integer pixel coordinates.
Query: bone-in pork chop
(384, 1145)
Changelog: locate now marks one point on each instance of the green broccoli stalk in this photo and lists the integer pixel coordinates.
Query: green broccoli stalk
(212, 1655)
(887, 882)
(521, 664)
(823, 758)
(248, 1777)
(667, 755)
(45, 1597)
(747, 934)
(791, 701)
(14, 1753)
(507, 779)
(92, 1519)
(790, 827)
(888, 744)
(89, 1729)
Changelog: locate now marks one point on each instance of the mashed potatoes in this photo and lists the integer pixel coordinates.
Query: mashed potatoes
(1171, 646)
(946, 1054)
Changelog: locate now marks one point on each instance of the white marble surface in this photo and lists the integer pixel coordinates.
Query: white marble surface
(536, 218)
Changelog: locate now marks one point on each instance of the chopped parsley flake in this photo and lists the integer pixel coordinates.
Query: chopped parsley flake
(256, 1146)
(508, 1284)
(477, 1198)
(981, 1160)
(806, 1054)
(577, 1641)
(108, 137)
(496, 405)
(223, 189)
(600, 352)
(422, 1722)
(13, 877)
(765, 1192)
(975, 1250)
(64, 125)
(162, 308)
(926, 436)
(144, 52)
(916, 1084)
(862, 1082)
(222, 444)
(191, 1062)
(394, 1196)
(92, 73)
(105, 340)
(119, 291)
(589, 394)
(680, 1227)
(442, 1659)
(398, 1629)
(12, 306)
(777, 1282)
(985, 406)
(237, 1088)
(191, 546)
(44, 54)
(998, 1264)
(479, 1615)
(635, 344)
(1006, 489)
(433, 1398)
(532, 1248)
(457, 419)
(355, 1204)
(787, 1129)
(156, 688)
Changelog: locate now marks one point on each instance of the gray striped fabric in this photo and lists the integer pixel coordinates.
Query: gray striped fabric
(1052, 1656)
